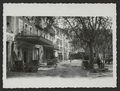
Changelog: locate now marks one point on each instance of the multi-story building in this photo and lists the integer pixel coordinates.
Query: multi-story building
(66, 46)
(58, 42)
(27, 42)
(9, 41)
(62, 42)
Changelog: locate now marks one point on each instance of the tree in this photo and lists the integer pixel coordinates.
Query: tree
(41, 22)
(92, 33)
(89, 30)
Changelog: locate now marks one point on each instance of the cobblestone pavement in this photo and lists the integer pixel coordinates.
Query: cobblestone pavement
(64, 69)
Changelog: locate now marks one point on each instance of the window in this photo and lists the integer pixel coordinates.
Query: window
(35, 32)
(8, 21)
(36, 54)
(25, 27)
(57, 42)
(9, 24)
(48, 36)
(51, 38)
(61, 42)
(20, 23)
(30, 30)
(60, 34)
(57, 32)
(60, 48)
(39, 33)
(43, 34)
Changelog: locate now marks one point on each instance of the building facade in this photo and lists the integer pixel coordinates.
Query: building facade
(9, 41)
(62, 42)
(27, 43)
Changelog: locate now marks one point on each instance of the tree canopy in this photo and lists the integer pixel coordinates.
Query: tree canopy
(93, 33)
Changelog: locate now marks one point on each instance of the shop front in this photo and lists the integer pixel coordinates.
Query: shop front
(34, 51)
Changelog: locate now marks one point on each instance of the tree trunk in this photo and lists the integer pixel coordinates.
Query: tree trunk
(91, 56)
(103, 58)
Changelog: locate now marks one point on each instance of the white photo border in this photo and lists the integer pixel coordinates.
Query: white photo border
(86, 9)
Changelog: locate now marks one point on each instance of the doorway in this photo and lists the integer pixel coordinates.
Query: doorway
(25, 53)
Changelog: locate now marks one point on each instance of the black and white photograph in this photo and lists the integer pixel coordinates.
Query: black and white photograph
(59, 45)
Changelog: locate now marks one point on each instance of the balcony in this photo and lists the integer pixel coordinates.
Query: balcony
(50, 30)
(33, 37)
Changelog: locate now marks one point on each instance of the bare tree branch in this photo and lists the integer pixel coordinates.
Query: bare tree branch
(76, 31)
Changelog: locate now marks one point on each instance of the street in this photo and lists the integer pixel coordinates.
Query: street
(64, 69)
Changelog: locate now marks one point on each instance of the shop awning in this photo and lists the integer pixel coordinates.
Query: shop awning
(34, 40)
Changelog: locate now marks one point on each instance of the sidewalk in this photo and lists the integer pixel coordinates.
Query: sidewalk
(108, 73)
(64, 69)
(75, 62)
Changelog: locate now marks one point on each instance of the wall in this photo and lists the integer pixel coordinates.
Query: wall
(9, 41)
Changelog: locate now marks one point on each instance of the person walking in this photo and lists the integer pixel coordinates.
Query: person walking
(70, 58)
(99, 63)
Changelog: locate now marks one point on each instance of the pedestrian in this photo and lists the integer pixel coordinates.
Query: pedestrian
(15, 59)
(55, 62)
(70, 58)
(20, 62)
(99, 63)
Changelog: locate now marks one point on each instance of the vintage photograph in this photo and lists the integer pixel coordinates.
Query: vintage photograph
(59, 46)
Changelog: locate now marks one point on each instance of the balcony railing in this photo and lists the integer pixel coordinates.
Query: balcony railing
(26, 32)
(34, 35)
